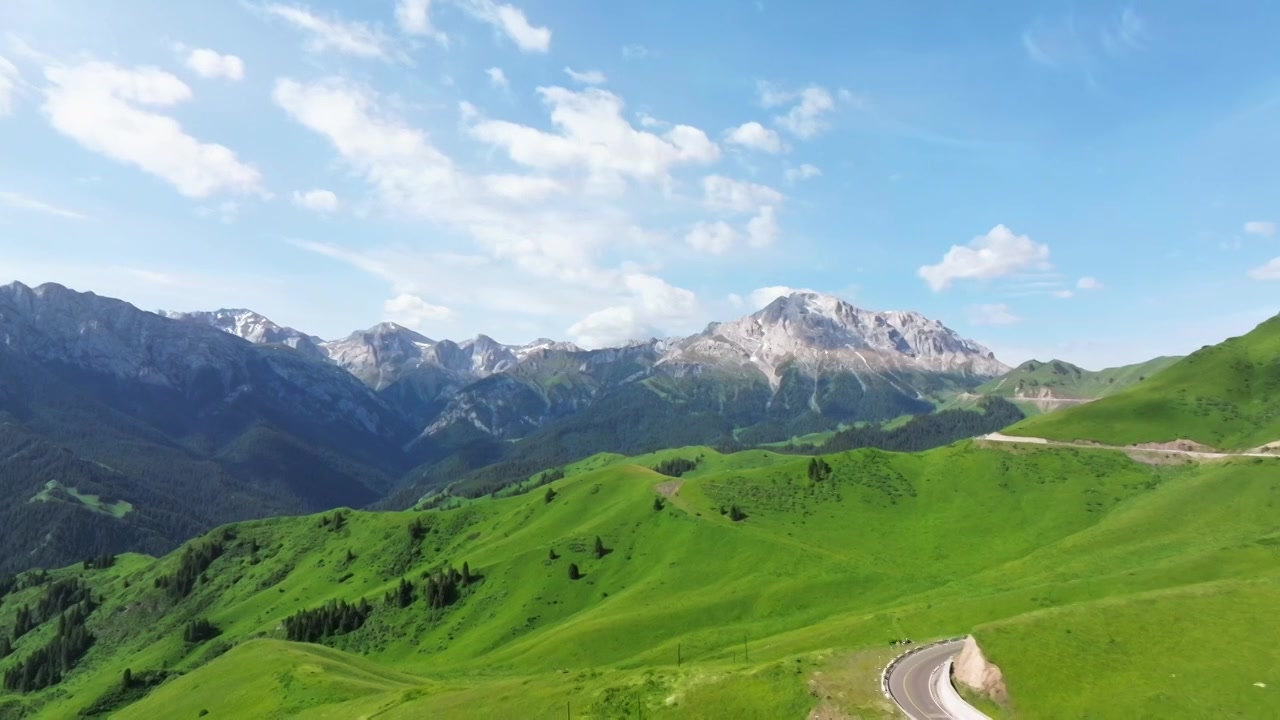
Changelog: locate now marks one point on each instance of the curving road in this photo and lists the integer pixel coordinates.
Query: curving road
(914, 679)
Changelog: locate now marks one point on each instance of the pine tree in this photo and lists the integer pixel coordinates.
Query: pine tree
(551, 495)
(574, 574)
(466, 574)
(126, 681)
(600, 549)
(551, 554)
(658, 504)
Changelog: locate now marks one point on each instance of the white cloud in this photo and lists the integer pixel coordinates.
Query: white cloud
(996, 314)
(653, 304)
(713, 238)
(19, 201)
(547, 259)
(98, 104)
(9, 79)
(755, 136)
(1267, 271)
(761, 297)
(522, 188)
(323, 201)
(414, 312)
(1089, 283)
(804, 172)
(588, 77)
(334, 34)
(212, 64)
(1064, 294)
(725, 193)
(763, 230)
(497, 78)
(635, 51)
(1261, 228)
(414, 18)
(594, 136)
(807, 117)
(512, 22)
(998, 253)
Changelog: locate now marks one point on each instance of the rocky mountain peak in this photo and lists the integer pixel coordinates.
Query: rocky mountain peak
(251, 326)
(822, 332)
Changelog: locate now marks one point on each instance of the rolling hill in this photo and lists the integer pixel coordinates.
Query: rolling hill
(1040, 387)
(746, 586)
(1226, 396)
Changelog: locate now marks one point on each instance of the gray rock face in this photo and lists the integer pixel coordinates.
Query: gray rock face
(817, 336)
(824, 333)
(253, 327)
(209, 368)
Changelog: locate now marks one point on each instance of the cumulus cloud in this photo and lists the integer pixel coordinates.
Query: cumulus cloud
(761, 297)
(101, 106)
(522, 188)
(497, 77)
(810, 107)
(714, 238)
(325, 34)
(319, 200)
(739, 196)
(21, 201)
(763, 229)
(754, 136)
(588, 77)
(213, 64)
(994, 314)
(653, 303)
(593, 135)
(804, 172)
(510, 21)
(414, 18)
(414, 312)
(536, 258)
(1267, 271)
(1261, 228)
(1089, 283)
(9, 79)
(997, 254)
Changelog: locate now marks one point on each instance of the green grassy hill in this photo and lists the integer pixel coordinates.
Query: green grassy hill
(1226, 396)
(1063, 380)
(692, 614)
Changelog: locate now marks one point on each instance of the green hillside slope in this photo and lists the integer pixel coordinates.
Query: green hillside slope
(1226, 396)
(689, 613)
(1063, 380)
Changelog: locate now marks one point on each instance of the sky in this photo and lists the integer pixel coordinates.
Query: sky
(1089, 181)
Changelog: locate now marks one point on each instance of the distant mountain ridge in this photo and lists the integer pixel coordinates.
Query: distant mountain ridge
(247, 417)
(1057, 384)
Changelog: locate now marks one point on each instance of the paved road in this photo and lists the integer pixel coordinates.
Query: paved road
(911, 682)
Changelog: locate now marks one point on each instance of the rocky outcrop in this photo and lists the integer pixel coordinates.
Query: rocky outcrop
(973, 670)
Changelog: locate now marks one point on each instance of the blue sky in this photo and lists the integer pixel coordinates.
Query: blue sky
(1093, 181)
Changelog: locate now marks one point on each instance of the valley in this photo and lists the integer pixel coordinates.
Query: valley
(685, 582)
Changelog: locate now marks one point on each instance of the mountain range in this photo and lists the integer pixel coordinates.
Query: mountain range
(177, 422)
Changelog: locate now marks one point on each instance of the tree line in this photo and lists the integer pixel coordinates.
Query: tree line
(675, 467)
(191, 566)
(50, 663)
(336, 617)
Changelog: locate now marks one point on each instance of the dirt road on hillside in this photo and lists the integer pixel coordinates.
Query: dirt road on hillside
(1180, 448)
